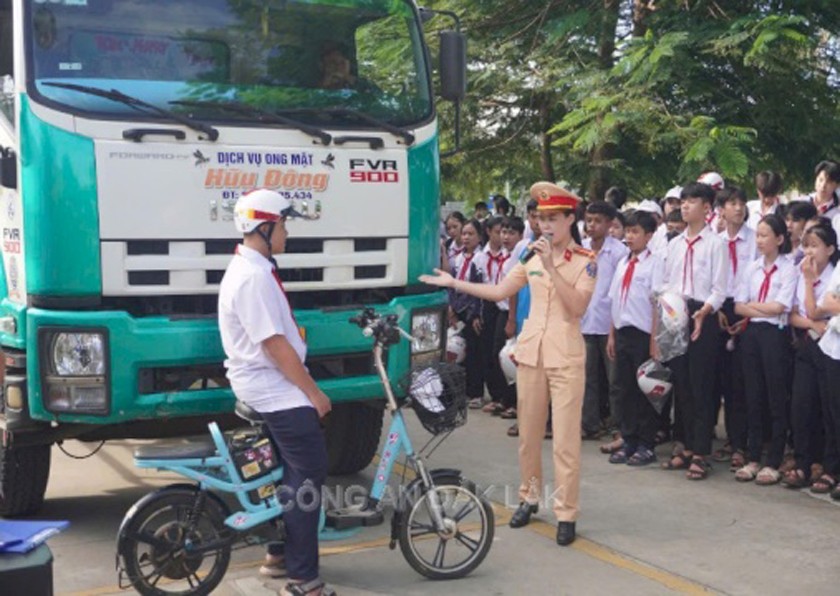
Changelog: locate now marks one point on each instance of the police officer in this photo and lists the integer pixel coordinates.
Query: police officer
(265, 355)
(550, 351)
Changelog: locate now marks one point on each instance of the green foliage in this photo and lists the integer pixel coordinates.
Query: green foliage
(737, 86)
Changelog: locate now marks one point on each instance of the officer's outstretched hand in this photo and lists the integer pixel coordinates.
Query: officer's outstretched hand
(440, 278)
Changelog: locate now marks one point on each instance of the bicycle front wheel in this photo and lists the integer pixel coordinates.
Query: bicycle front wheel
(460, 546)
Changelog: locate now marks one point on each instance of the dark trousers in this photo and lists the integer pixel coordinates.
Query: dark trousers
(497, 386)
(766, 361)
(474, 362)
(507, 392)
(599, 395)
(809, 401)
(639, 422)
(303, 454)
(730, 385)
(831, 377)
(694, 384)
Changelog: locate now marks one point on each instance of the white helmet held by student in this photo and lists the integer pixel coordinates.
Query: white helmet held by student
(507, 362)
(456, 345)
(674, 311)
(258, 206)
(655, 382)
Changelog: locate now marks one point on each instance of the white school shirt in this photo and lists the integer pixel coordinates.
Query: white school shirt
(781, 290)
(745, 253)
(507, 266)
(658, 244)
(819, 289)
(830, 341)
(830, 211)
(633, 308)
(493, 264)
(596, 319)
(754, 208)
(479, 262)
(703, 278)
(252, 308)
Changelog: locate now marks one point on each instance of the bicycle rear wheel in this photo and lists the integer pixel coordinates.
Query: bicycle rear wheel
(461, 545)
(170, 549)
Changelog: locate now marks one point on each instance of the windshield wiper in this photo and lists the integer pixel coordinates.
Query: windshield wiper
(261, 115)
(361, 116)
(140, 105)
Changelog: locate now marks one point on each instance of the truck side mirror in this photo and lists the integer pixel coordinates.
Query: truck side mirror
(453, 65)
(8, 167)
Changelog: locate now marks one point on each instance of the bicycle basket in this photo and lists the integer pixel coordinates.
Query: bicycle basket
(438, 396)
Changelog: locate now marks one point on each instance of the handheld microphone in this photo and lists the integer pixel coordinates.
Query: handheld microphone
(532, 251)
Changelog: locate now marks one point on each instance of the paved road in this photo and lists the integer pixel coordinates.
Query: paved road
(642, 531)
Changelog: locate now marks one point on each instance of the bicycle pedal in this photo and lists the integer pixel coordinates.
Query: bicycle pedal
(353, 517)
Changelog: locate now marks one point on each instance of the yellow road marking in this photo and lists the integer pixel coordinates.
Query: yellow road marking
(611, 557)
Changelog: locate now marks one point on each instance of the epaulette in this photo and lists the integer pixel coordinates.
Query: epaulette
(579, 250)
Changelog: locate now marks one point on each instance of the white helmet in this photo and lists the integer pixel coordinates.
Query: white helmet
(258, 206)
(713, 179)
(674, 312)
(456, 345)
(655, 382)
(507, 362)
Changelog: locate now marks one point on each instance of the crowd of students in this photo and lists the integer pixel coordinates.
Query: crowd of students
(759, 282)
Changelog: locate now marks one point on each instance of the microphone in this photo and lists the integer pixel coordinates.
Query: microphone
(532, 251)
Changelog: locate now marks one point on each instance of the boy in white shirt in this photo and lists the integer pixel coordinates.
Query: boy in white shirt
(769, 186)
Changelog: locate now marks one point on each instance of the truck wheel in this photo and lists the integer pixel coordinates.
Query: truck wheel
(24, 472)
(352, 436)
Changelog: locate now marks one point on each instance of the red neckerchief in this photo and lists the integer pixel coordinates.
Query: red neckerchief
(276, 275)
(765, 285)
(688, 262)
(733, 254)
(465, 266)
(499, 258)
(826, 207)
(628, 277)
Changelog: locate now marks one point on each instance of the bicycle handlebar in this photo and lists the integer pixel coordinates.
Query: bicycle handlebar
(383, 328)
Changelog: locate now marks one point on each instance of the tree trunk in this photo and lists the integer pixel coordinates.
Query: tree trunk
(546, 162)
(641, 9)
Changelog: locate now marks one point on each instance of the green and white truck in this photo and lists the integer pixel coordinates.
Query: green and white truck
(128, 128)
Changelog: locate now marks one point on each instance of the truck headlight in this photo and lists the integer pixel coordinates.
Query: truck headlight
(74, 370)
(428, 331)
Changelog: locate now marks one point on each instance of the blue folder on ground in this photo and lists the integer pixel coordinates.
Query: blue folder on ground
(23, 536)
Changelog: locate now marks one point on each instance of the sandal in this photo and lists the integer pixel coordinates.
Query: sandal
(794, 479)
(622, 454)
(509, 414)
(723, 454)
(823, 485)
(748, 472)
(307, 588)
(513, 431)
(767, 476)
(494, 408)
(612, 446)
(738, 461)
(699, 469)
(678, 461)
(788, 463)
(642, 457)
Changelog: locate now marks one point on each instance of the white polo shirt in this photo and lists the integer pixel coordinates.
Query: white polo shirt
(252, 308)
(781, 288)
(700, 274)
(596, 319)
(745, 252)
(819, 289)
(632, 306)
(830, 341)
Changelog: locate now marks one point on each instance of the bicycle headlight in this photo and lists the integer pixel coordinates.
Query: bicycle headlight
(426, 329)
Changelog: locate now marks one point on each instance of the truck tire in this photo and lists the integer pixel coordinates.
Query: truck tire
(24, 472)
(352, 436)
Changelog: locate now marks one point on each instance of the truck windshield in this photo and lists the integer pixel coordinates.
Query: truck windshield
(274, 55)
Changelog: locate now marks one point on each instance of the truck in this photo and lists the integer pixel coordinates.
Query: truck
(128, 129)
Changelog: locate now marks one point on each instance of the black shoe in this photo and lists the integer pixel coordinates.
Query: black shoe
(522, 515)
(565, 533)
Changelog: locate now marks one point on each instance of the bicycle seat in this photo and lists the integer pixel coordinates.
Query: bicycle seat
(248, 413)
(192, 449)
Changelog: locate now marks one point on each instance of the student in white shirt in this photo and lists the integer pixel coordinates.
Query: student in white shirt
(599, 394)
(769, 187)
(512, 230)
(765, 295)
(265, 365)
(452, 246)
(659, 243)
(830, 347)
(631, 293)
(696, 269)
(809, 395)
(495, 257)
(797, 216)
(741, 251)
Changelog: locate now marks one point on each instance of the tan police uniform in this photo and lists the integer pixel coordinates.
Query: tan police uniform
(551, 355)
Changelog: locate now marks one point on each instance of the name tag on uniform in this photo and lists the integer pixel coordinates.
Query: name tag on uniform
(537, 273)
